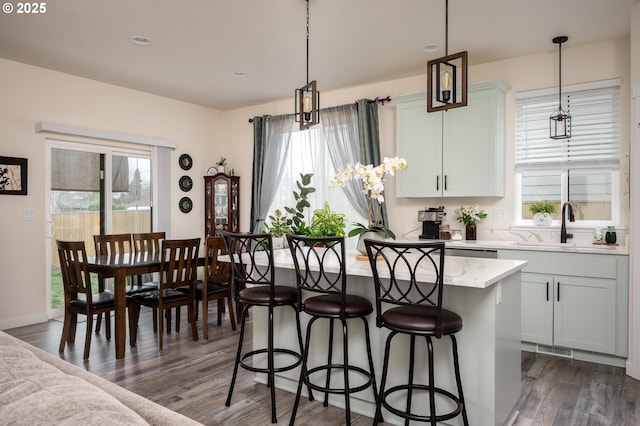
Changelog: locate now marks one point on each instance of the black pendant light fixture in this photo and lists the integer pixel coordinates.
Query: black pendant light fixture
(560, 120)
(447, 77)
(307, 98)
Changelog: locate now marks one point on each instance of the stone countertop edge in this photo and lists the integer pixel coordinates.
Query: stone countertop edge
(538, 246)
(459, 271)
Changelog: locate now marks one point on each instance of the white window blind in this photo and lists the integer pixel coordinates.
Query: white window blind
(595, 124)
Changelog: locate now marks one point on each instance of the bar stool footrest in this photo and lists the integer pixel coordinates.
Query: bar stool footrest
(417, 417)
(276, 351)
(340, 367)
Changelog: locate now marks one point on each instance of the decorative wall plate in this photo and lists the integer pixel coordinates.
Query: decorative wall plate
(185, 162)
(212, 171)
(185, 204)
(186, 183)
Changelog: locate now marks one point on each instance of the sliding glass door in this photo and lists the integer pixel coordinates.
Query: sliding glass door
(93, 189)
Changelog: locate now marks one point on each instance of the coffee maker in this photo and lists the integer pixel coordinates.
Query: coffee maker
(431, 219)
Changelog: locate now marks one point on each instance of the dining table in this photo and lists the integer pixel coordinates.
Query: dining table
(119, 267)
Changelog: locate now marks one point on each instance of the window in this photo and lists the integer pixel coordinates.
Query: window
(583, 169)
(308, 154)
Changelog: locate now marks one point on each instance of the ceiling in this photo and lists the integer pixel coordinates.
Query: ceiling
(197, 45)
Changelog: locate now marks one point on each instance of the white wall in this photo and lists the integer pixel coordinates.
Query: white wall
(31, 94)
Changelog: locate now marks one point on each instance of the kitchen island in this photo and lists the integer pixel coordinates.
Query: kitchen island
(484, 292)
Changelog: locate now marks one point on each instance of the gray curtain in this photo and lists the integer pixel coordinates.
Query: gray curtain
(340, 126)
(271, 139)
(369, 139)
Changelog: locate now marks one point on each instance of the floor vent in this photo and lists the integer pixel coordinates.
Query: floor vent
(555, 350)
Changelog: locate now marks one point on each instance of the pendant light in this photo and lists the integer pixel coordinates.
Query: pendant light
(560, 121)
(307, 98)
(443, 82)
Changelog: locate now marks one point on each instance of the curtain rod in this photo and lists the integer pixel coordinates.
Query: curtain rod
(381, 100)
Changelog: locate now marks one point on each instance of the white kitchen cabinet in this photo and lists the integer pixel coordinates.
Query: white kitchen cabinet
(574, 300)
(453, 153)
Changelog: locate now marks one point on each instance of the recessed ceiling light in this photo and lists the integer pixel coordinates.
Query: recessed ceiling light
(141, 40)
(239, 74)
(431, 48)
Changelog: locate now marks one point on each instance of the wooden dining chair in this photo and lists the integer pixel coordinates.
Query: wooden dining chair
(178, 268)
(113, 245)
(216, 284)
(78, 295)
(149, 243)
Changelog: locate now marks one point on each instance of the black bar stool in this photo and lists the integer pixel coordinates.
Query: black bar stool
(252, 264)
(409, 283)
(320, 270)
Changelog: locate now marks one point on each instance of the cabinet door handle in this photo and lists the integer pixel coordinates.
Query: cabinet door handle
(445, 182)
(558, 291)
(547, 291)
(438, 183)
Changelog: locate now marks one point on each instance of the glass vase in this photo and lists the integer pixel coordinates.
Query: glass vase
(470, 232)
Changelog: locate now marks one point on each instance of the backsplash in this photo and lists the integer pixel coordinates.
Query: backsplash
(542, 234)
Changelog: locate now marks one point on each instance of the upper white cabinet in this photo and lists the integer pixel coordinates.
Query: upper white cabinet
(453, 153)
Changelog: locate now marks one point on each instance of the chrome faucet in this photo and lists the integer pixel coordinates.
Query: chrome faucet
(563, 228)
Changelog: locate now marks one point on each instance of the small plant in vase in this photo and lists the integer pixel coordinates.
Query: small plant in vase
(542, 212)
(469, 217)
(220, 164)
(278, 225)
(327, 223)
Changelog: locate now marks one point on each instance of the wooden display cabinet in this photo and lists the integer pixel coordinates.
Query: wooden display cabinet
(221, 204)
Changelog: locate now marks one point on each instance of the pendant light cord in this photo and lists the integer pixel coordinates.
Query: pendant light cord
(307, 41)
(446, 28)
(560, 76)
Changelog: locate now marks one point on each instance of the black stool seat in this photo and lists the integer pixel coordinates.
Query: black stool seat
(421, 320)
(311, 257)
(416, 310)
(330, 305)
(262, 295)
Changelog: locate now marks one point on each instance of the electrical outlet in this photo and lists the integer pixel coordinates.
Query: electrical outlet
(29, 214)
(499, 216)
(499, 293)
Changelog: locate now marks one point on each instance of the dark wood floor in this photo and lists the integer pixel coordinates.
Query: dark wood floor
(193, 377)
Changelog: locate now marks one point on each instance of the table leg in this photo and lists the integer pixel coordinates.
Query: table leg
(120, 288)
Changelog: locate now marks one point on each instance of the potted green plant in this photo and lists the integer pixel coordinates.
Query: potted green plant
(326, 223)
(278, 225)
(220, 164)
(542, 212)
(299, 224)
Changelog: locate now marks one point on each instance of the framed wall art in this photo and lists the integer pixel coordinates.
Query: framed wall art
(13, 175)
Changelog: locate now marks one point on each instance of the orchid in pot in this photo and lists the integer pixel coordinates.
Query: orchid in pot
(372, 178)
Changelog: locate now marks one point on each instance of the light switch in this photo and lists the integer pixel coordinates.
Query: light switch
(29, 214)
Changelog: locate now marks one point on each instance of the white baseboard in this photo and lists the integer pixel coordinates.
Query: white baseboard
(22, 321)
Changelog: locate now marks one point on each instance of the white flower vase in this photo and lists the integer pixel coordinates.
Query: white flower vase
(278, 242)
(372, 235)
(543, 219)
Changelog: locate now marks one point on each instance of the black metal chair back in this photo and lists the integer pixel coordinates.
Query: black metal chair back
(251, 261)
(407, 273)
(319, 265)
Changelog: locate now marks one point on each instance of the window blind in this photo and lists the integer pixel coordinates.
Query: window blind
(595, 128)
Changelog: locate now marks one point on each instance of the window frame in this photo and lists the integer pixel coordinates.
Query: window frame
(565, 167)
